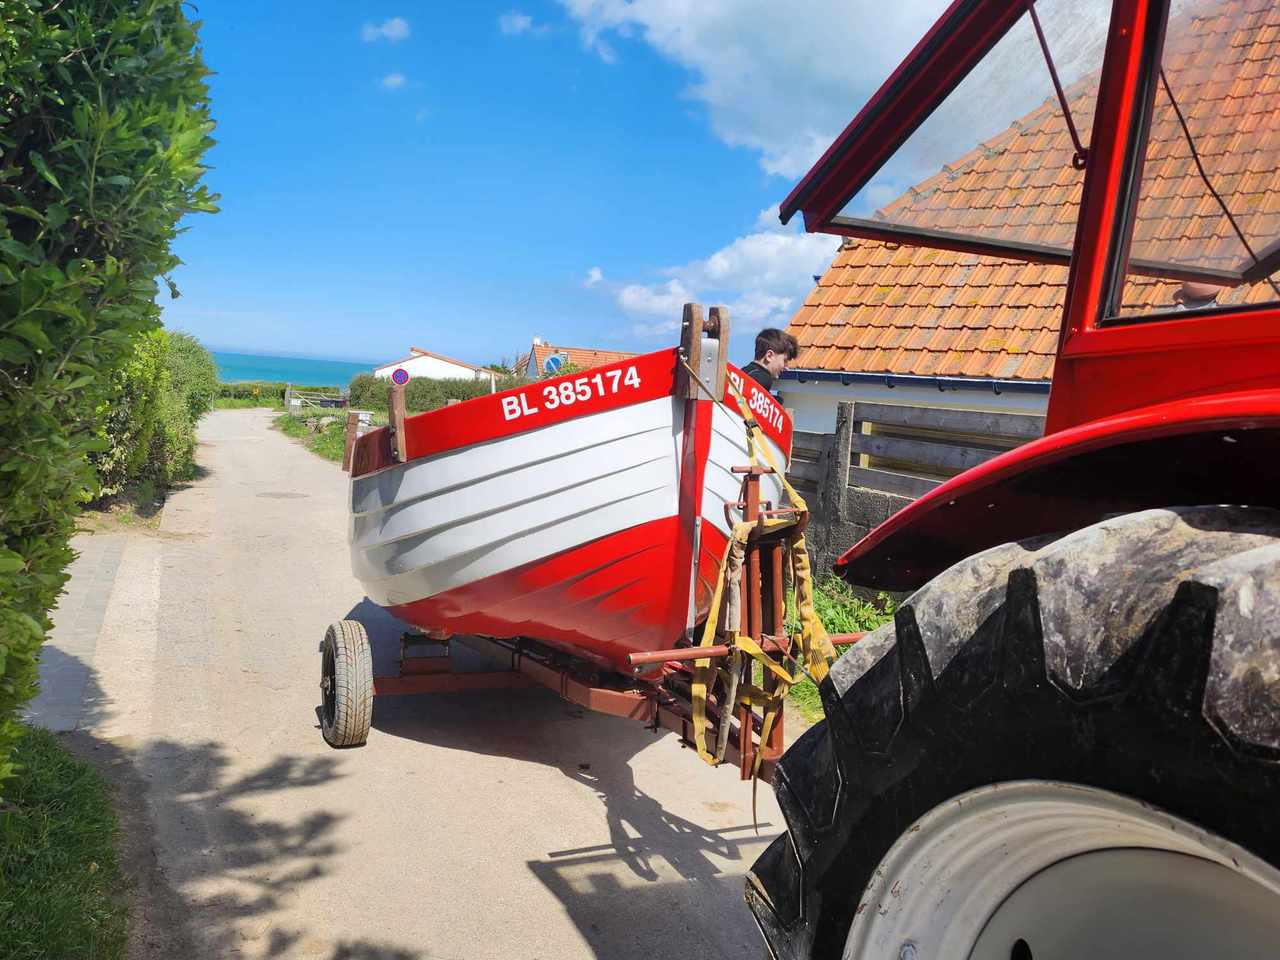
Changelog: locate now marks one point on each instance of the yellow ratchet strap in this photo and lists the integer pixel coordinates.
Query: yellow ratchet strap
(812, 649)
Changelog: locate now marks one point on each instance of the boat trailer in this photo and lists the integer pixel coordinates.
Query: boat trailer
(664, 702)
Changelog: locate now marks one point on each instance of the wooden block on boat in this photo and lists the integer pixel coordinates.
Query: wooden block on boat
(691, 350)
(718, 327)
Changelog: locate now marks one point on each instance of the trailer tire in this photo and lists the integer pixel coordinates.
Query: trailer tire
(1135, 663)
(346, 684)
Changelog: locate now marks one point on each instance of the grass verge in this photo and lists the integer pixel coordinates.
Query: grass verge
(61, 892)
(247, 403)
(328, 442)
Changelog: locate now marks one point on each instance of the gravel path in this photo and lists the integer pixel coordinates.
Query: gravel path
(502, 824)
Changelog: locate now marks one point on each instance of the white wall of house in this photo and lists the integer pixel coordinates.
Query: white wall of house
(435, 368)
(813, 402)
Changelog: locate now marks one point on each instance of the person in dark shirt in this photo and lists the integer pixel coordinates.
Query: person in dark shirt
(774, 350)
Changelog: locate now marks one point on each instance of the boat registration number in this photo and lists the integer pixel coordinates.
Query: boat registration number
(761, 403)
(566, 393)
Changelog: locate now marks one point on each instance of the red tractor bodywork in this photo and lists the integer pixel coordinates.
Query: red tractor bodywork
(1153, 411)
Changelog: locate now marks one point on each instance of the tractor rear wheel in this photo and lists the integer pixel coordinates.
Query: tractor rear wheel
(346, 684)
(1061, 748)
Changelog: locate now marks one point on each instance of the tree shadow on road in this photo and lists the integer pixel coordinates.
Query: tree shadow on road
(684, 895)
(187, 797)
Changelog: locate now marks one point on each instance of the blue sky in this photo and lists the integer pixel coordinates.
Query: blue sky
(463, 177)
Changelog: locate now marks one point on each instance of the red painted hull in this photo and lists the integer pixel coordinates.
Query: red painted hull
(595, 601)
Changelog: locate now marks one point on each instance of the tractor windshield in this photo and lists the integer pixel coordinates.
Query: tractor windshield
(1000, 160)
(1209, 197)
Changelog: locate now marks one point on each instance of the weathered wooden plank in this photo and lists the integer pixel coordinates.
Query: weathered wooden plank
(900, 483)
(1020, 426)
(806, 470)
(815, 443)
(943, 456)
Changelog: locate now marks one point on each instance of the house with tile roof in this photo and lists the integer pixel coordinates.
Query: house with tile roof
(546, 360)
(894, 323)
(434, 366)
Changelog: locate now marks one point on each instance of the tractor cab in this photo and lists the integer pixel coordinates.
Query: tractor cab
(1130, 150)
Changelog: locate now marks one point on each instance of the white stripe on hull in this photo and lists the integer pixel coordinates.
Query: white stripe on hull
(445, 521)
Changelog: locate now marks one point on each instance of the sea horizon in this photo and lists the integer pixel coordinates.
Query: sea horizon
(237, 367)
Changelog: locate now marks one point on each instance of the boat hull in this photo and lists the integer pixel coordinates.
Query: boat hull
(598, 530)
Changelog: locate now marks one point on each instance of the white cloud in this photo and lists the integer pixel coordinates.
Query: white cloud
(783, 81)
(660, 300)
(394, 81)
(594, 276)
(761, 277)
(513, 23)
(392, 30)
(774, 80)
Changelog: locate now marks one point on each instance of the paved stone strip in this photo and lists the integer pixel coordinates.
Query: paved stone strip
(66, 660)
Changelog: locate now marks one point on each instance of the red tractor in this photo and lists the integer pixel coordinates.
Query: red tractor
(1066, 743)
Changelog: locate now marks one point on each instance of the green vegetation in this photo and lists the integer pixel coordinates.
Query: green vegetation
(247, 403)
(368, 392)
(104, 120)
(329, 442)
(260, 393)
(841, 610)
(60, 884)
(150, 419)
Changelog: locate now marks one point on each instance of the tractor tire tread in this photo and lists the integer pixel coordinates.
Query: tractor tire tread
(1137, 655)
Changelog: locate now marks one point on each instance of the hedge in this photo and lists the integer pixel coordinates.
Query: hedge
(368, 392)
(130, 415)
(246, 389)
(103, 123)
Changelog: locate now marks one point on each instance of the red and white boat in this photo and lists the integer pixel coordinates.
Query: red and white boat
(589, 511)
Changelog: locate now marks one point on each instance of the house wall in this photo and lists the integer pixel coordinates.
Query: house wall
(432, 368)
(813, 402)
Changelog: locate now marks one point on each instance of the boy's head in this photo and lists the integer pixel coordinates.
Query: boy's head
(775, 349)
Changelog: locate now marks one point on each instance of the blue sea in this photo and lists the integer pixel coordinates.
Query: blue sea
(234, 367)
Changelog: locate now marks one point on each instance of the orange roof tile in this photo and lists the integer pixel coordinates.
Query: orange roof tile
(989, 317)
(584, 358)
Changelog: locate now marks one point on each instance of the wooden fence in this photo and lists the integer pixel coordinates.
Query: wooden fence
(298, 402)
(881, 456)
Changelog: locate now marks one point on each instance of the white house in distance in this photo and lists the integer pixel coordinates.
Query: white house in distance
(433, 366)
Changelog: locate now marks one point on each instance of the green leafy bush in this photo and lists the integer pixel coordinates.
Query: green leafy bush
(150, 418)
(103, 123)
(130, 415)
(368, 392)
(193, 374)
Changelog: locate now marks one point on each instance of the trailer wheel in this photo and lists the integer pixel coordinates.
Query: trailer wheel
(346, 684)
(1061, 748)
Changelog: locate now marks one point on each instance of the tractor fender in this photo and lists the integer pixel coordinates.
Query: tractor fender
(1223, 448)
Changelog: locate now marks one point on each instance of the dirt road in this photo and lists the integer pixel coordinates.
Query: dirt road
(504, 824)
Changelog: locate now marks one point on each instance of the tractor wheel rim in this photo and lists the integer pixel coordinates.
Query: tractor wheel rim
(1039, 870)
